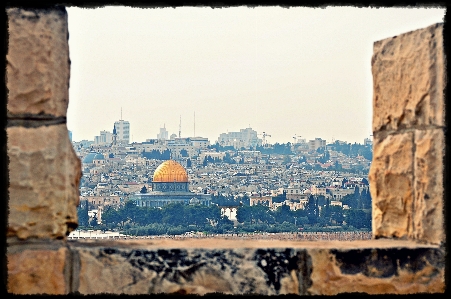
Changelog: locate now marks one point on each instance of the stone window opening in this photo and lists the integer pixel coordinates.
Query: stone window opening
(406, 256)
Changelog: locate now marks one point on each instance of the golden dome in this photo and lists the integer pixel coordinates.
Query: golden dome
(169, 172)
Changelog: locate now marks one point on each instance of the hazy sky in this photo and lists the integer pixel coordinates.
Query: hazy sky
(284, 71)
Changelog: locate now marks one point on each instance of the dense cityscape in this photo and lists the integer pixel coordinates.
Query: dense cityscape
(238, 184)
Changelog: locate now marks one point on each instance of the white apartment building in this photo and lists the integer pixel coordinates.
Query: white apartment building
(367, 142)
(316, 144)
(315, 190)
(193, 145)
(199, 142)
(293, 192)
(105, 138)
(163, 135)
(246, 138)
(122, 131)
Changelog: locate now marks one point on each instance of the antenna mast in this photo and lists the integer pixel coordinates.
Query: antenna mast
(194, 124)
(180, 126)
(121, 113)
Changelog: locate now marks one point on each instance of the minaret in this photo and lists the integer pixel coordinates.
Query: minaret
(180, 127)
(114, 136)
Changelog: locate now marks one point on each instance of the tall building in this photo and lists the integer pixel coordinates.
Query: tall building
(104, 138)
(122, 131)
(316, 143)
(163, 135)
(246, 138)
(70, 135)
(368, 142)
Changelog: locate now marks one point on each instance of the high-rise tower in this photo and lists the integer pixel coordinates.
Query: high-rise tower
(122, 131)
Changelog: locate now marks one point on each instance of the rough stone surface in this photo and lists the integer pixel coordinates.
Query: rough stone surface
(408, 76)
(187, 271)
(428, 185)
(37, 272)
(391, 185)
(37, 62)
(44, 175)
(377, 271)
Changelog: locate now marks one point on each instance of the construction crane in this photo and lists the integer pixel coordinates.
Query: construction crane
(295, 137)
(264, 135)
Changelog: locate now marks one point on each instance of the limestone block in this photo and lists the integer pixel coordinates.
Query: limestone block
(37, 272)
(391, 185)
(44, 175)
(428, 185)
(37, 61)
(377, 271)
(408, 80)
(186, 271)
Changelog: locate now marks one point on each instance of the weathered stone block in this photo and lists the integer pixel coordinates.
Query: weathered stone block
(44, 175)
(408, 80)
(377, 271)
(187, 271)
(38, 272)
(37, 62)
(428, 185)
(391, 185)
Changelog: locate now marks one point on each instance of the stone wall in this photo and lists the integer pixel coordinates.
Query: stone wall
(406, 175)
(44, 172)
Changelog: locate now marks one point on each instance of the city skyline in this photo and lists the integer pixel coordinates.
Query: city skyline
(302, 72)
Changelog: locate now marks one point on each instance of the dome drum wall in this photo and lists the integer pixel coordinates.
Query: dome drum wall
(170, 187)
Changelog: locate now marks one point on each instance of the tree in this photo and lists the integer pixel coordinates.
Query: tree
(224, 224)
(325, 212)
(321, 200)
(93, 222)
(336, 215)
(154, 215)
(366, 199)
(173, 214)
(82, 213)
(343, 182)
(143, 190)
(350, 200)
(228, 159)
(112, 217)
(244, 214)
(359, 218)
(283, 213)
(188, 163)
(286, 159)
(357, 197)
(312, 210)
(254, 214)
(130, 211)
(184, 153)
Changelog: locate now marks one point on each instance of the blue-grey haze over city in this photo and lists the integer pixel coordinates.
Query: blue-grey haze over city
(296, 71)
